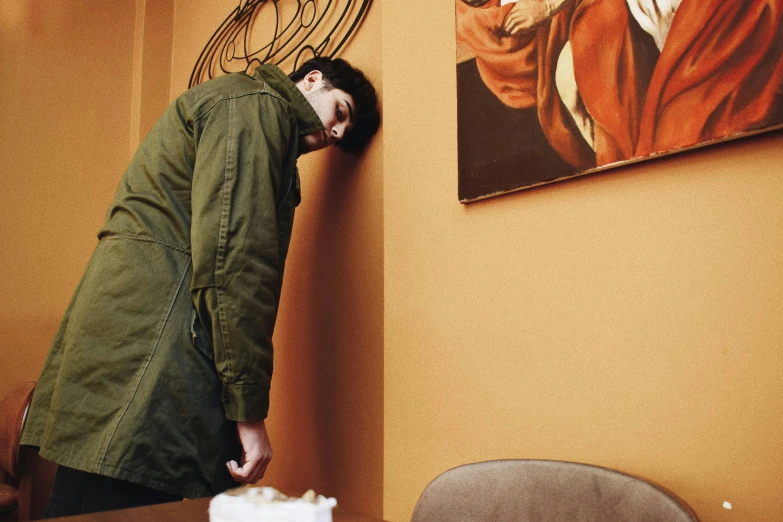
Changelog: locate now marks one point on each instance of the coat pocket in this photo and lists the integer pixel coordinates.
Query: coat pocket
(199, 338)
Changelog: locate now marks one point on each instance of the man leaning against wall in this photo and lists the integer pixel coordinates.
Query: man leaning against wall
(157, 384)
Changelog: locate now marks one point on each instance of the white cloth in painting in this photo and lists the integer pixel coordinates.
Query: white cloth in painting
(565, 80)
(655, 17)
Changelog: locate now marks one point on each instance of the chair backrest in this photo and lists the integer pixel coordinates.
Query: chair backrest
(545, 490)
(13, 413)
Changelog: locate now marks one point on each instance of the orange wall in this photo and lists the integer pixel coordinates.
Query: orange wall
(152, 63)
(630, 319)
(66, 72)
(83, 82)
(326, 417)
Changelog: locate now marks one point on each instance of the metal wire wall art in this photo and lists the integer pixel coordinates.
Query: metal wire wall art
(283, 32)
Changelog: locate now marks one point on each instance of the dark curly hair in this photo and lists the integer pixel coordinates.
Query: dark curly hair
(339, 74)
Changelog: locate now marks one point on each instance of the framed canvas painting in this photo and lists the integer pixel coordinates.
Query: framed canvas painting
(551, 89)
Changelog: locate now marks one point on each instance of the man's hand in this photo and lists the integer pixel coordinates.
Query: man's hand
(256, 452)
(526, 15)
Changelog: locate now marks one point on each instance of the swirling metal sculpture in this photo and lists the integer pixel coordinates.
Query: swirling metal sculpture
(299, 29)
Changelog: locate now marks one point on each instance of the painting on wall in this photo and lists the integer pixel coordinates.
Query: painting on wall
(552, 89)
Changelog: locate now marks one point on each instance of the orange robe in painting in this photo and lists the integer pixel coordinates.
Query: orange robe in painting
(520, 71)
(556, 121)
(612, 74)
(720, 72)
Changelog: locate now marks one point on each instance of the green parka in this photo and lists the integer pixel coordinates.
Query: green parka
(168, 339)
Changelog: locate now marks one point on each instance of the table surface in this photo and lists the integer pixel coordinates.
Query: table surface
(185, 511)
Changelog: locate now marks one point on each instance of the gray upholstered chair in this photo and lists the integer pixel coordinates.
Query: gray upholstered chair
(545, 491)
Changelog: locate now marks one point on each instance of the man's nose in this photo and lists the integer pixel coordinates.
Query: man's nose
(337, 132)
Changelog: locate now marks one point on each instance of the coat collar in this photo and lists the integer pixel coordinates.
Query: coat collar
(306, 116)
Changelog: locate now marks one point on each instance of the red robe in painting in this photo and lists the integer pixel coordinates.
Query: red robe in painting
(720, 72)
(520, 71)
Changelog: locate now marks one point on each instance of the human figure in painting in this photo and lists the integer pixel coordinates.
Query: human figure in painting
(157, 384)
(641, 76)
(520, 71)
(517, 47)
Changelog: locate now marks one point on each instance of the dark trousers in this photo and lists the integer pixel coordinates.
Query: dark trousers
(77, 492)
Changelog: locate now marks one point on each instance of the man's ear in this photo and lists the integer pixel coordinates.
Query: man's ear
(313, 80)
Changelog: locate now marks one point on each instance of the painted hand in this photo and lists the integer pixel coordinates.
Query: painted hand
(525, 16)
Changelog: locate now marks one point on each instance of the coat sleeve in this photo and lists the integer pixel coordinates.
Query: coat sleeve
(240, 144)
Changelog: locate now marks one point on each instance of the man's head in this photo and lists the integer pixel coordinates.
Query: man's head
(344, 100)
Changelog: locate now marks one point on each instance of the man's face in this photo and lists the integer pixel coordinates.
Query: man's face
(335, 107)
